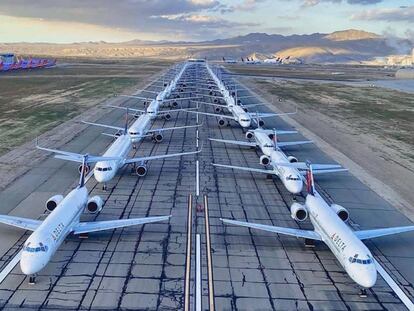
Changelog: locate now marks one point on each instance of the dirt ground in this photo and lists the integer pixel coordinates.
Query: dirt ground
(35, 101)
(371, 126)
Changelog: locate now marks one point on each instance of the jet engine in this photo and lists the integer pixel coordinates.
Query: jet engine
(211, 93)
(158, 137)
(174, 104)
(292, 159)
(264, 160)
(167, 116)
(247, 110)
(141, 170)
(298, 212)
(249, 134)
(94, 204)
(221, 122)
(341, 211)
(215, 100)
(261, 123)
(53, 202)
(218, 109)
(87, 169)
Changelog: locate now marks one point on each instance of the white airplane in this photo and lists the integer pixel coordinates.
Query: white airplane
(114, 158)
(290, 176)
(330, 228)
(64, 218)
(238, 114)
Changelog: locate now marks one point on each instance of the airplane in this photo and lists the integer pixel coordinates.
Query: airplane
(238, 114)
(64, 218)
(290, 176)
(114, 158)
(329, 222)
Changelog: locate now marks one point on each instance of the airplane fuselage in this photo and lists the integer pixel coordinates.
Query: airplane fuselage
(104, 171)
(140, 127)
(351, 253)
(46, 239)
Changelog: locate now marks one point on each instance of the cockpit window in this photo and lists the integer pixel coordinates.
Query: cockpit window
(245, 120)
(291, 177)
(39, 248)
(104, 169)
(355, 259)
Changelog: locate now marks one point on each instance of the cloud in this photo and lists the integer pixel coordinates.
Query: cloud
(310, 3)
(142, 16)
(401, 14)
(245, 5)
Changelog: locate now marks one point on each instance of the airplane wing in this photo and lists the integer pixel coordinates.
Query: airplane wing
(104, 125)
(209, 104)
(176, 110)
(303, 166)
(268, 115)
(281, 230)
(376, 233)
(278, 132)
(172, 128)
(20, 222)
(137, 97)
(318, 172)
(178, 99)
(93, 226)
(77, 157)
(126, 108)
(213, 114)
(248, 169)
(159, 157)
(234, 142)
(253, 105)
(293, 143)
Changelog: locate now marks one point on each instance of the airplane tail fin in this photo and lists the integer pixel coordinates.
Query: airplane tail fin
(126, 122)
(83, 171)
(274, 138)
(310, 186)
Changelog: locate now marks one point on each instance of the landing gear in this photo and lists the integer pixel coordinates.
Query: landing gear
(134, 146)
(104, 187)
(363, 293)
(83, 236)
(32, 280)
(294, 198)
(269, 176)
(228, 123)
(309, 243)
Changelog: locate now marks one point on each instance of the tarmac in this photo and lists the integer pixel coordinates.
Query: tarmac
(143, 267)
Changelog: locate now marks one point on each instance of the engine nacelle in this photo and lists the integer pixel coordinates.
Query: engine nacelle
(341, 211)
(158, 137)
(167, 116)
(221, 122)
(292, 159)
(175, 104)
(211, 93)
(215, 100)
(249, 134)
(94, 204)
(53, 202)
(141, 170)
(264, 160)
(87, 169)
(298, 212)
(261, 123)
(247, 110)
(218, 109)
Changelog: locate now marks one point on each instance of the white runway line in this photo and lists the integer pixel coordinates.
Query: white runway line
(197, 178)
(10, 266)
(394, 286)
(198, 274)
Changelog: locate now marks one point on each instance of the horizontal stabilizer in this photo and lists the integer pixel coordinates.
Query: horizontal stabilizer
(104, 125)
(159, 157)
(280, 230)
(318, 172)
(86, 227)
(247, 169)
(234, 142)
(293, 143)
(376, 233)
(172, 128)
(304, 166)
(20, 222)
(77, 157)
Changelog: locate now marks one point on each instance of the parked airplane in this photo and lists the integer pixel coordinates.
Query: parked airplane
(238, 114)
(64, 218)
(290, 176)
(114, 158)
(330, 228)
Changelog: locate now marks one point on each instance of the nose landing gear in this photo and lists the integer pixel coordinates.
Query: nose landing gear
(32, 279)
(363, 293)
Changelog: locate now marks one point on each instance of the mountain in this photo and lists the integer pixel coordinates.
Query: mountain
(347, 46)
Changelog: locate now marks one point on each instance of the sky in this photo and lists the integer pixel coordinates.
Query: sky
(61, 21)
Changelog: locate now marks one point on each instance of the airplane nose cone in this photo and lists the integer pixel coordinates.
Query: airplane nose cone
(368, 278)
(245, 123)
(294, 187)
(101, 177)
(30, 264)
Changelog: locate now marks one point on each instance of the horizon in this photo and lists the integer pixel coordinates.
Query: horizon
(44, 21)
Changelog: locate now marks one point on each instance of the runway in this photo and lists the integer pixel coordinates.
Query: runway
(143, 267)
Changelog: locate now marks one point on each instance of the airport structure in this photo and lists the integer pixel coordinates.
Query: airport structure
(9, 62)
(185, 219)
